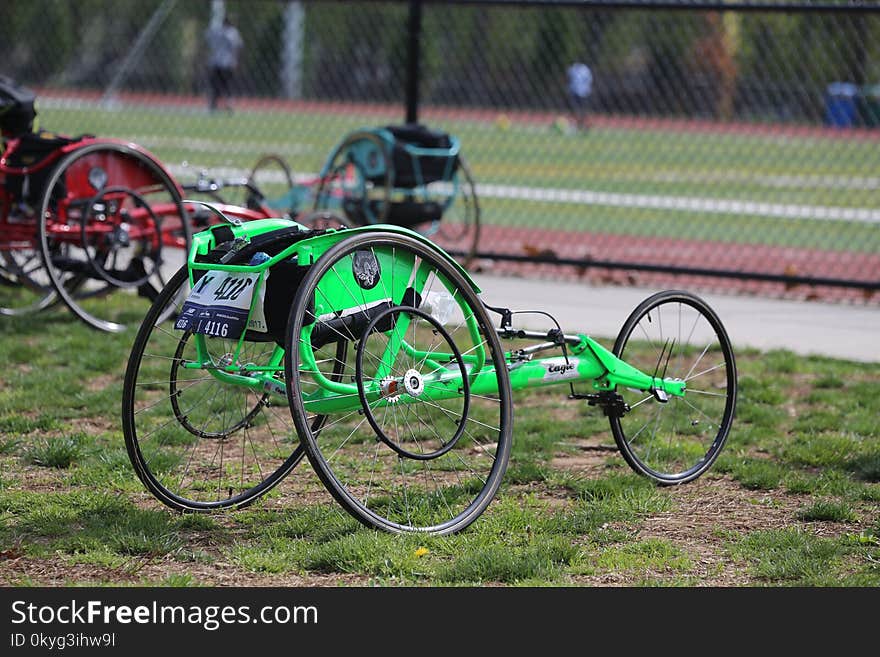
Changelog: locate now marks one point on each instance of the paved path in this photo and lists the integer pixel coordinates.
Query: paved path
(842, 331)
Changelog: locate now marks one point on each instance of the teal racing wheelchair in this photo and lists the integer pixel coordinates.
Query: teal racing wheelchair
(406, 175)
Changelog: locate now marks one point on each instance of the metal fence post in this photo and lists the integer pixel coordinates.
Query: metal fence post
(414, 29)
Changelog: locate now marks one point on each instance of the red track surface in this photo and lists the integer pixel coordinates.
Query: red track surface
(679, 253)
(608, 247)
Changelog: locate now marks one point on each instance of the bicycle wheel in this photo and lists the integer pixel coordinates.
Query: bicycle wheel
(270, 184)
(25, 286)
(198, 439)
(677, 335)
(111, 219)
(419, 420)
(356, 180)
(459, 230)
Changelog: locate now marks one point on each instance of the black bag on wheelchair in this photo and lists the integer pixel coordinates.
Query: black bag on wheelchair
(282, 285)
(284, 278)
(17, 108)
(418, 157)
(33, 148)
(414, 169)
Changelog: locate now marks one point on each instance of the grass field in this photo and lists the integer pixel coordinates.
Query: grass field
(793, 499)
(732, 186)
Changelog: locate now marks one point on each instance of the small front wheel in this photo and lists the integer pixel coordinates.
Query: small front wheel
(677, 440)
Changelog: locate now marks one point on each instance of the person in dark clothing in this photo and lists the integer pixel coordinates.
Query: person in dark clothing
(224, 45)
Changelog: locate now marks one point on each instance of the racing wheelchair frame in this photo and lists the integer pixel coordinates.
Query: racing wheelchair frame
(369, 351)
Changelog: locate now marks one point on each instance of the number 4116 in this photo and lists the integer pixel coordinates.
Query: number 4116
(216, 328)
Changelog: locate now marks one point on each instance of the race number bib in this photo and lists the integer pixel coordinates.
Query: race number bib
(220, 302)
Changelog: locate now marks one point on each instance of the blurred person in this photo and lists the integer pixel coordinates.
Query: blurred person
(224, 44)
(580, 86)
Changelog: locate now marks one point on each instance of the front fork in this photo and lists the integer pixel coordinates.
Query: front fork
(588, 361)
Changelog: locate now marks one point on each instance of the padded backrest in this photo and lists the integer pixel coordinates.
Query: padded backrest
(17, 108)
(412, 170)
(419, 135)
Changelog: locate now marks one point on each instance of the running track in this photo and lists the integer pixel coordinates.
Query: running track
(607, 247)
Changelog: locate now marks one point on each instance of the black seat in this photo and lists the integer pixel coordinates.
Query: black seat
(28, 151)
(411, 169)
(17, 108)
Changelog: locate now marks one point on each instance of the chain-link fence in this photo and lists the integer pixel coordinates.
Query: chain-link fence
(742, 142)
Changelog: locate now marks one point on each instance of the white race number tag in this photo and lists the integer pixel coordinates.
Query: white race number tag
(220, 302)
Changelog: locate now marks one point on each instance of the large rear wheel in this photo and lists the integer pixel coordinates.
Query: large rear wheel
(459, 230)
(197, 435)
(356, 180)
(25, 286)
(111, 219)
(419, 422)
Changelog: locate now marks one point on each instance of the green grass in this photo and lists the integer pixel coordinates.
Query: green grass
(59, 452)
(794, 557)
(793, 499)
(648, 163)
(829, 511)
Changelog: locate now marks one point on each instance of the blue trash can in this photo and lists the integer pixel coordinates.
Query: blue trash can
(840, 104)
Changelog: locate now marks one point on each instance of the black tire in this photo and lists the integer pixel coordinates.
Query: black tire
(356, 180)
(442, 489)
(71, 270)
(676, 441)
(25, 287)
(459, 229)
(175, 444)
(270, 183)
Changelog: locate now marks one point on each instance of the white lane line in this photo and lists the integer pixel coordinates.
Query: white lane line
(701, 205)
(680, 203)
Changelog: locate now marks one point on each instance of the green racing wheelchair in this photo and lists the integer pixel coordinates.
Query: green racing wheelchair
(369, 351)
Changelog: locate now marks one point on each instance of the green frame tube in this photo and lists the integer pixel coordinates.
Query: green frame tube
(588, 362)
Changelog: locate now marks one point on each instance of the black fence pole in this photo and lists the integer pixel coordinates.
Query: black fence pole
(412, 61)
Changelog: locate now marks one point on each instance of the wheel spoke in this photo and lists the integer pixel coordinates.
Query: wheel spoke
(218, 443)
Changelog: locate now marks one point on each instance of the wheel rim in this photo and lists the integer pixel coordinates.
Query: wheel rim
(384, 487)
(459, 230)
(119, 238)
(271, 175)
(155, 201)
(398, 389)
(357, 180)
(25, 286)
(199, 441)
(676, 336)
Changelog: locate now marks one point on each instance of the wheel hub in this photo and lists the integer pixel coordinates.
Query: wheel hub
(121, 235)
(413, 383)
(390, 388)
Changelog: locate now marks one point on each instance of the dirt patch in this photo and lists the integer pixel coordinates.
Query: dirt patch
(101, 382)
(220, 573)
